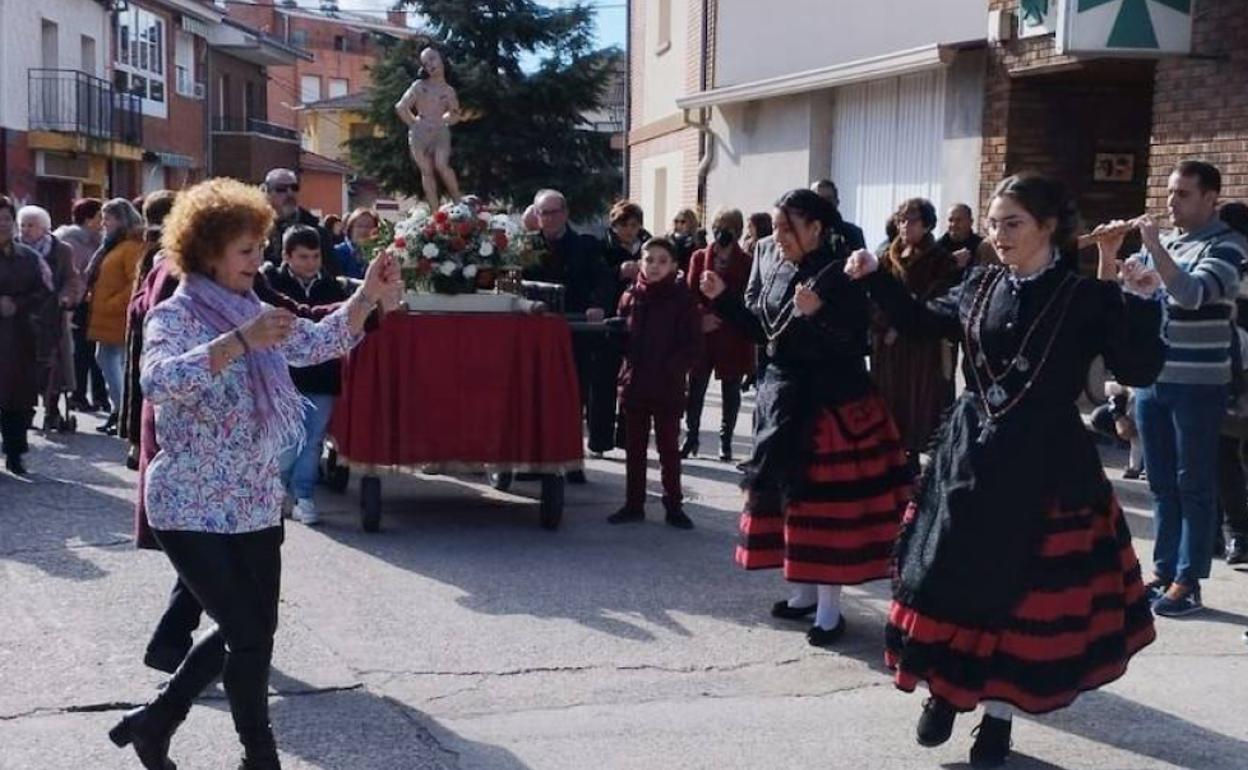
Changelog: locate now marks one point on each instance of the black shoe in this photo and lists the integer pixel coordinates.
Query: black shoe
(1156, 588)
(992, 742)
(725, 451)
(1237, 551)
(78, 404)
(782, 610)
(165, 658)
(109, 428)
(148, 730)
(132, 458)
(1132, 474)
(826, 637)
(52, 421)
(627, 515)
(14, 464)
(689, 449)
(576, 477)
(935, 723)
(259, 751)
(678, 518)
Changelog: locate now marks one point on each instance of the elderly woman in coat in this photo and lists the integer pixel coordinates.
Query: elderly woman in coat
(23, 291)
(54, 341)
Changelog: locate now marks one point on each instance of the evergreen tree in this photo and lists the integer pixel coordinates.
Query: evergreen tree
(525, 130)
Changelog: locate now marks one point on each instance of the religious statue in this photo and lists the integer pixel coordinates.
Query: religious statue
(429, 108)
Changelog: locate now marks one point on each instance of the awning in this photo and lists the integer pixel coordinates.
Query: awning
(888, 65)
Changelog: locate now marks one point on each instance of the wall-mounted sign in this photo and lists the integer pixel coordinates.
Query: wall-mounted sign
(1127, 27)
(1114, 167)
(1037, 17)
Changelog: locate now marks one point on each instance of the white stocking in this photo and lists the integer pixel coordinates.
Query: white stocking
(998, 710)
(828, 613)
(803, 595)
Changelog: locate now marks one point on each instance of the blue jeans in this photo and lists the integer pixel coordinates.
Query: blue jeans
(112, 362)
(299, 465)
(1179, 427)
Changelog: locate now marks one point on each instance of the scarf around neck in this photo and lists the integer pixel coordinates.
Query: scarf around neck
(279, 407)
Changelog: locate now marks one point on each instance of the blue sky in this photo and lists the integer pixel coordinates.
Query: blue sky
(612, 14)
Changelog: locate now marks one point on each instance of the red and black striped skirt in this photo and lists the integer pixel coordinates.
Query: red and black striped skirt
(1074, 632)
(839, 526)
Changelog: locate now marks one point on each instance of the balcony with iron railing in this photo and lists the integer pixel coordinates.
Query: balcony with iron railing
(246, 148)
(73, 102)
(225, 124)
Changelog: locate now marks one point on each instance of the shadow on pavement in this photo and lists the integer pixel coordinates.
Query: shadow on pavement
(362, 731)
(1125, 724)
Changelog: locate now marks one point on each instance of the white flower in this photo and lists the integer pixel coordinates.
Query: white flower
(470, 272)
(447, 268)
(487, 248)
(430, 251)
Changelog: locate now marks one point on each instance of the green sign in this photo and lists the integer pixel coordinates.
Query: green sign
(1139, 27)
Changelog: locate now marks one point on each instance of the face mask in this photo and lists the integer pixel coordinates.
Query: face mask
(724, 238)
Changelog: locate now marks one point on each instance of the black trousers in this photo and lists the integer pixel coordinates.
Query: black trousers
(86, 370)
(730, 389)
(237, 580)
(1232, 491)
(597, 369)
(14, 425)
(179, 621)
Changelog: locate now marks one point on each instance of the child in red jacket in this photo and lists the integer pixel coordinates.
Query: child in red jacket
(664, 341)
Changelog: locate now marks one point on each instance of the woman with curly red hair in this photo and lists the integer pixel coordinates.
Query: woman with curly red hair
(215, 365)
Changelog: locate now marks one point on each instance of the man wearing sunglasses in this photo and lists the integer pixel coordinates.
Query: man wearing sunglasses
(281, 185)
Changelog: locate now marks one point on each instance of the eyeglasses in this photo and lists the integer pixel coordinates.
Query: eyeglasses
(284, 188)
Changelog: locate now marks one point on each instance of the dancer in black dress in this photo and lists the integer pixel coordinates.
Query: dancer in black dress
(1016, 584)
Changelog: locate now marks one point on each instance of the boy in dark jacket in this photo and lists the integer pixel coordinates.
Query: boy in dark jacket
(301, 277)
(664, 341)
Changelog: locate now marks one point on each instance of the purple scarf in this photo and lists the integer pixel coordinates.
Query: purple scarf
(279, 407)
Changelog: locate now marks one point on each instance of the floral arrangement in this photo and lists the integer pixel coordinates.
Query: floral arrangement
(454, 250)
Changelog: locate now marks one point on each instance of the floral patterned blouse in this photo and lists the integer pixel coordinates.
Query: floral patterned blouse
(214, 473)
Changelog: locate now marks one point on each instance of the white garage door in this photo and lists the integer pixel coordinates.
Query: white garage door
(887, 147)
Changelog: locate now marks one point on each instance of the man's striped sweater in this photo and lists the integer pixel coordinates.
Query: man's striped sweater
(1200, 303)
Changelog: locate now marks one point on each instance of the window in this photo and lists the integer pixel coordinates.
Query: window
(184, 64)
(664, 41)
(660, 194)
(309, 89)
(340, 42)
(87, 44)
(337, 87)
(139, 66)
(51, 56)
(299, 37)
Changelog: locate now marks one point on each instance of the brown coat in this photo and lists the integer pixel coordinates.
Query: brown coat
(21, 280)
(910, 370)
(110, 297)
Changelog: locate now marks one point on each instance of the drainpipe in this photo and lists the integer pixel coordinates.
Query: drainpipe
(706, 143)
(628, 97)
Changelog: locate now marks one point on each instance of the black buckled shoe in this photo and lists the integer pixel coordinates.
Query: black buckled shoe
(992, 742)
(148, 731)
(826, 637)
(782, 610)
(936, 722)
(676, 517)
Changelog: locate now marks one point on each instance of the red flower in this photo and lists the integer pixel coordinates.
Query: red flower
(441, 217)
(444, 226)
(400, 242)
(429, 232)
(457, 244)
(465, 228)
(424, 266)
(500, 241)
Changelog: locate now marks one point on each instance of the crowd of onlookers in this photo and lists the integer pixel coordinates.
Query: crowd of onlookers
(82, 349)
